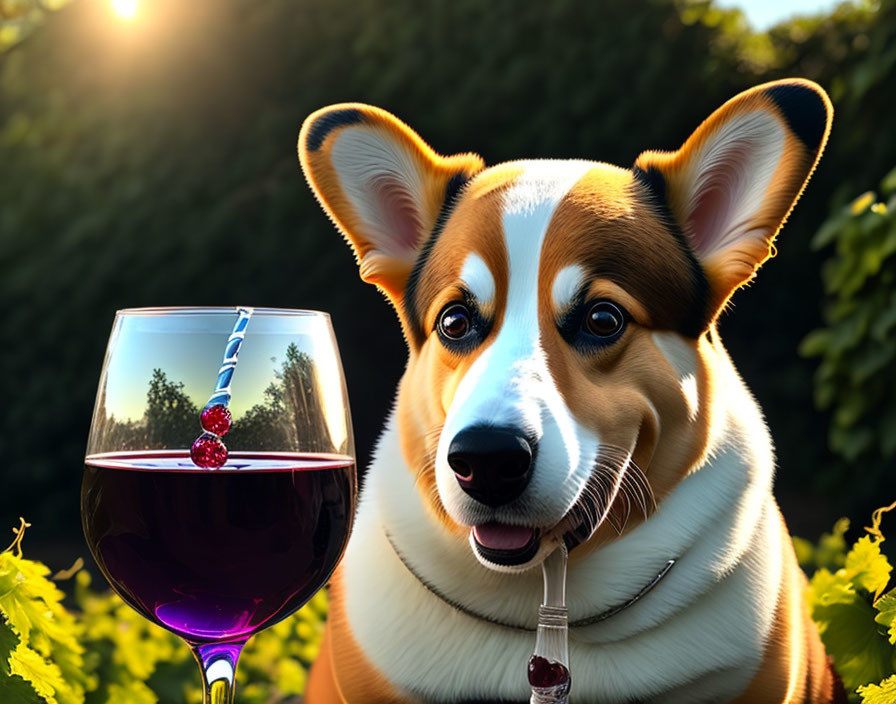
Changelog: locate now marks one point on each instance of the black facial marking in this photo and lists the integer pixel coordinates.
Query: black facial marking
(804, 110)
(455, 184)
(328, 122)
(654, 185)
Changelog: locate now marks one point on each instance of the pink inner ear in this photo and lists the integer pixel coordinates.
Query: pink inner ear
(400, 214)
(718, 190)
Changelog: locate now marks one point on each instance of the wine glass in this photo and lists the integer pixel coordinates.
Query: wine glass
(217, 552)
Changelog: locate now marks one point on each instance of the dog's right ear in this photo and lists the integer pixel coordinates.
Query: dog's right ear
(381, 184)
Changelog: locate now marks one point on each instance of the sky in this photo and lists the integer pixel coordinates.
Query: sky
(762, 14)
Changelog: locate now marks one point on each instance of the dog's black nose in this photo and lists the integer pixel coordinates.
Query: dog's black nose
(493, 465)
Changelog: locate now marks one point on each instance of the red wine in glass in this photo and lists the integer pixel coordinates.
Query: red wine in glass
(216, 554)
(221, 543)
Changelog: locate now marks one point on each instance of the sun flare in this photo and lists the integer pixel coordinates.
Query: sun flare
(126, 9)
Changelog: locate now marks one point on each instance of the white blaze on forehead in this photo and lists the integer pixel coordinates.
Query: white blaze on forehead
(478, 279)
(510, 384)
(566, 285)
(543, 183)
(683, 360)
(529, 206)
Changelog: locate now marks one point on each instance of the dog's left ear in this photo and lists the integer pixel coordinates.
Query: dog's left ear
(381, 184)
(733, 183)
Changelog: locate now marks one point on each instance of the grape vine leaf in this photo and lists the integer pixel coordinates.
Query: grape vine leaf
(845, 620)
(13, 689)
(867, 567)
(48, 654)
(883, 693)
(886, 616)
(45, 677)
(8, 642)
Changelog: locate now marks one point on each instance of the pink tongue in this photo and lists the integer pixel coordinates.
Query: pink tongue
(498, 536)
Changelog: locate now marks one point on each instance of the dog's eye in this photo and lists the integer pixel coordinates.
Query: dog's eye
(605, 320)
(455, 321)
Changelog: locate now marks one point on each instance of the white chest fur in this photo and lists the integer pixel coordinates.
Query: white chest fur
(697, 636)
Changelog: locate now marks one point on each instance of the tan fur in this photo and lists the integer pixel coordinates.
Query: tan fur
(603, 224)
(794, 669)
(358, 680)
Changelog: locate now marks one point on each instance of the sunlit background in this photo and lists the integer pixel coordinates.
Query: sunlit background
(126, 9)
(148, 158)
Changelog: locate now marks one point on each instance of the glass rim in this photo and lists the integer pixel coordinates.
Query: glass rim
(219, 310)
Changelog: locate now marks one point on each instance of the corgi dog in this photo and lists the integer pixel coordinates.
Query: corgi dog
(566, 383)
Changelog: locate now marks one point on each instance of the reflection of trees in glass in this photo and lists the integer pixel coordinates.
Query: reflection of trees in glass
(172, 419)
(108, 433)
(290, 418)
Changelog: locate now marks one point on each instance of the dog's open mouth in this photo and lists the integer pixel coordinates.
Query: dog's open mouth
(511, 546)
(504, 544)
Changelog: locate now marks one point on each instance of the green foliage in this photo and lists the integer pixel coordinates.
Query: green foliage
(830, 553)
(857, 375)
(883, 693)
(103, 652)
(47, 654)
(131, 657)
(855, 613)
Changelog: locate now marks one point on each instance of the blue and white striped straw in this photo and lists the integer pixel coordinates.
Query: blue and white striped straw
(222, 394)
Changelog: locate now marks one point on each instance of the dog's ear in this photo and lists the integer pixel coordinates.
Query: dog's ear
(381, 184)
(733, 183)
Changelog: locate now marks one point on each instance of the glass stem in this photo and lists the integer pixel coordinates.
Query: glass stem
(217, 662)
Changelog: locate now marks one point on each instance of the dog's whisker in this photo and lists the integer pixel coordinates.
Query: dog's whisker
(616, 488)
(634, 491)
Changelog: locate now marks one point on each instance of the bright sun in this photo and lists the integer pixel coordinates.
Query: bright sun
(126, 9)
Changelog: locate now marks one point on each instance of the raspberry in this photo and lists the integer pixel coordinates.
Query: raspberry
(547, 673)
(208, 451)
(215, 419)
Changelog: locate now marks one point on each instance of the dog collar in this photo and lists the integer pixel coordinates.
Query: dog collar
(579, 623)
